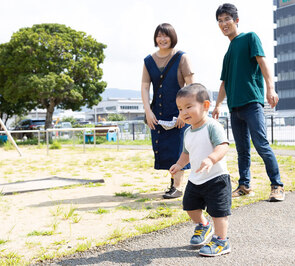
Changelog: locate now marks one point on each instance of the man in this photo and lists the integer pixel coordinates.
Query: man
(244, 67)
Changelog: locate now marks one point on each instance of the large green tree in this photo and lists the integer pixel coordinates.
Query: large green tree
(52, 65)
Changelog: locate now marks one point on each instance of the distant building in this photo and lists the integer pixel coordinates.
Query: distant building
(131, 109)
(284, 35)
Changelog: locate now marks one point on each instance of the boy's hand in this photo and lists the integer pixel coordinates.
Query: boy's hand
(174, 168)
(205, 165)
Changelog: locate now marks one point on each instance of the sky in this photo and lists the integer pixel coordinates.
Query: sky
(127, 28)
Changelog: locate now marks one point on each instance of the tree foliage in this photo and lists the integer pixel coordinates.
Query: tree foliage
(115, 117)
(8, 109)
(52, 65)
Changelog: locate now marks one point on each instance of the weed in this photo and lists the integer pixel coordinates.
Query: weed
(69, 213)
(127, 185)
(124, 208)
(41, 233)
(101, 211)
(160, 212)
(143, 200)
(60, 242)
(10, 258)
(126, 195)
(130, 220)
(76, 218)
(57, 211)
(55, 145)
(83, 246)
(2, 241)
(32, 244)
(116, 235)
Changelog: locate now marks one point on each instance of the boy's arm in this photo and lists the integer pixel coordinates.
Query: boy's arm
(220, 98)
(214, 157)
(182, 162)
(271, 95)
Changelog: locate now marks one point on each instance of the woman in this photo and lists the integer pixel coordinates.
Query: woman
(167, 144)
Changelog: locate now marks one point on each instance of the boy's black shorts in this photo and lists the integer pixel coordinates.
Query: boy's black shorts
(215, 194)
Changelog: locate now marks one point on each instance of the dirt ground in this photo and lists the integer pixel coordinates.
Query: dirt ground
(45, 223)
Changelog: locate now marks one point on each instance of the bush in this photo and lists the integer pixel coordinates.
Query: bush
(55, 145)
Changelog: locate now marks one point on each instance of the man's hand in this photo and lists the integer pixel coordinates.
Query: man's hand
(216, 112)
(272, 97)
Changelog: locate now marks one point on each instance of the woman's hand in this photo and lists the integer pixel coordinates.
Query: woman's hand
(179, 123)
(151, 119)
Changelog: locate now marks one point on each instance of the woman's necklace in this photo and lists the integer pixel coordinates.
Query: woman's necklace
(163, 60)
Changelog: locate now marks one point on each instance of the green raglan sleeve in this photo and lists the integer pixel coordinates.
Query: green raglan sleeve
(216, 133)
(184, 150)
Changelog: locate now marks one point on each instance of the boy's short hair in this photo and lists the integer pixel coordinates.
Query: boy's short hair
(195, 89)
(167, 29)
(229, 9)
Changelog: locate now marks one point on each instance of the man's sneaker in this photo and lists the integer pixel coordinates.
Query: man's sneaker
(172, 193)
(215, 247)
(201, 234)
(277, 193)
(242, 191)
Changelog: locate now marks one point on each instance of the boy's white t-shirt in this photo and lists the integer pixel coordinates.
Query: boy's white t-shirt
(199, 143)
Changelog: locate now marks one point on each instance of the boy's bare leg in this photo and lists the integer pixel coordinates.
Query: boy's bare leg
(197, 216)
(178, 177)
(220, 225)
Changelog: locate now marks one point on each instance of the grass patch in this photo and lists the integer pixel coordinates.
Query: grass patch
(41, 233)
(101, 211)
(126, 195)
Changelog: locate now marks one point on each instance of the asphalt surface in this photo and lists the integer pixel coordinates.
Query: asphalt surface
(260, 234)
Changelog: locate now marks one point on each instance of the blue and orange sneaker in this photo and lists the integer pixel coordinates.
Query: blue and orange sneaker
(215, 247)
(201, 234)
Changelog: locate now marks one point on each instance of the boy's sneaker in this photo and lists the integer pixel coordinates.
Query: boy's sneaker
(277, 193)
(242, 191)
(201, 234)
(172, 193)
(215, 247)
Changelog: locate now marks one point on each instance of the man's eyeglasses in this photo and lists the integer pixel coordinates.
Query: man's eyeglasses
(226, 20)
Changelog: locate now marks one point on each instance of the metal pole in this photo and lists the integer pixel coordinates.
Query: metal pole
(117, 131)
(94, 137)
(47, 142)
(10, 137)
(133, 131)
(227, 128)
(38, 137)
(271, 119)
(84, 140)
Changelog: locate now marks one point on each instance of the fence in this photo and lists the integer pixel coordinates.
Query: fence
(280, 130)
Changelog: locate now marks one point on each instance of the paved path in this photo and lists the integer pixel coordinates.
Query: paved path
(260, 234)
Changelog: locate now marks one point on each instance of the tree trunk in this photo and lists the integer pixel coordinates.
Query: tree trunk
(49, 114)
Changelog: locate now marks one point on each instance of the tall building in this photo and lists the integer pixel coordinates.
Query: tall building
(284, 35)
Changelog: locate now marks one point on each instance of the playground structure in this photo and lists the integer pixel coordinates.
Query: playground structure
(9, 136)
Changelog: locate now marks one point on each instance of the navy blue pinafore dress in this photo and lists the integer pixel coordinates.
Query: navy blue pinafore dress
(167, 144)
